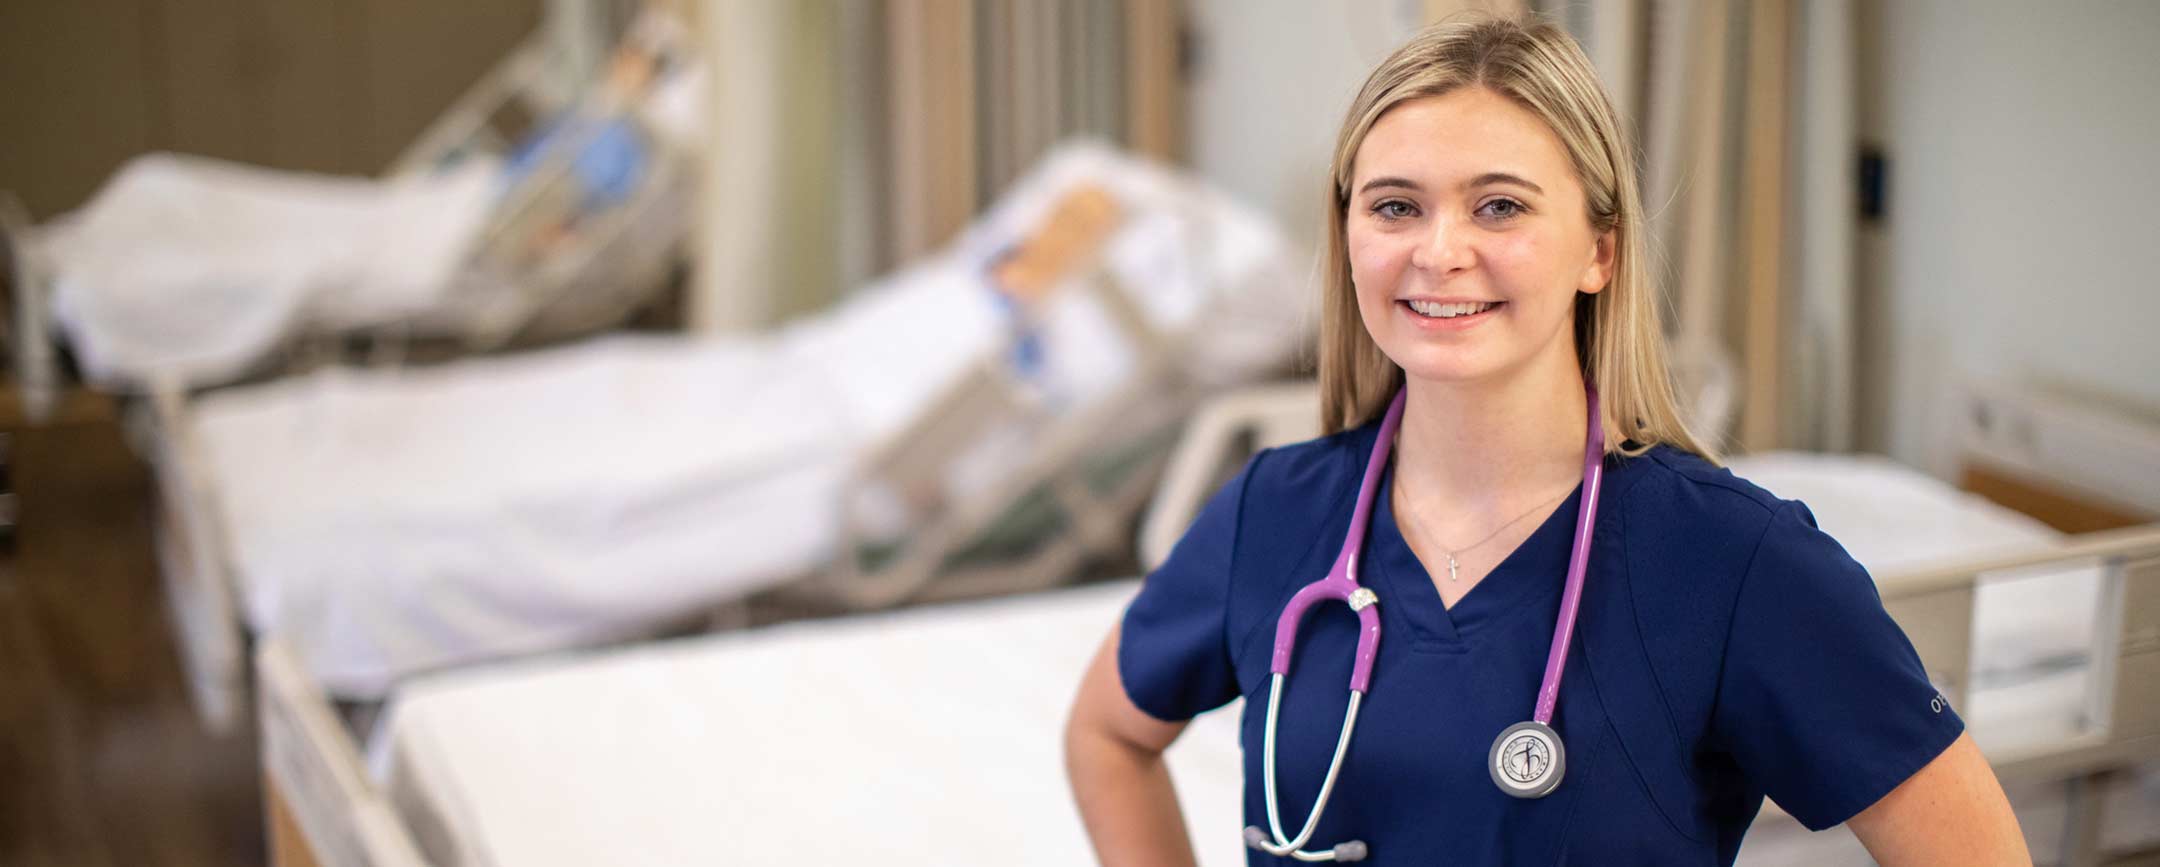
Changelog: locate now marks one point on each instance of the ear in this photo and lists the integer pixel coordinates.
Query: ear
(1598, 274)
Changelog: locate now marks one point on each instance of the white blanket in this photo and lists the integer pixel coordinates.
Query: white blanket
(193, 269)
(392, 522)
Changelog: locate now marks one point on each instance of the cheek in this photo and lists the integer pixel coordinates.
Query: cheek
(1534, 266)
(1375, 263)
(1519, 258)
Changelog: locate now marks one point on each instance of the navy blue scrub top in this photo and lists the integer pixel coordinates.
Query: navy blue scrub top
(1726, 650)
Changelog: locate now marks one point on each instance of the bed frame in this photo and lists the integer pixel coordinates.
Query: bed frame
(321, 808)
(324, 811)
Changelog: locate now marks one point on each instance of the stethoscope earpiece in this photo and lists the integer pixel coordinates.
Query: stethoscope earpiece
(1348, 850)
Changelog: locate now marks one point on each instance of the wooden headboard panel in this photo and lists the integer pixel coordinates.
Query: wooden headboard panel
(2074, 465)
(2068, 511)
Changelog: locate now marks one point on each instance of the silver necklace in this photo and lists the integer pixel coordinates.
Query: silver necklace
(1454, 573)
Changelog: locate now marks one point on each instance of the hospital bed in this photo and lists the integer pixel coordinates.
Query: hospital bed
(932, 735)
(526, 212)
(987, 420)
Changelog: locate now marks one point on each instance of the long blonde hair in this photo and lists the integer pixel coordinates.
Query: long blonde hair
(1617, 335)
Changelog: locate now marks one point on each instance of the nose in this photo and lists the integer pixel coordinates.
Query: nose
(1446, 248)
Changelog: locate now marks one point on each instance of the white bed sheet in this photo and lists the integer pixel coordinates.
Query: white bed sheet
(923, 737)
(193, 268)
(387, 523)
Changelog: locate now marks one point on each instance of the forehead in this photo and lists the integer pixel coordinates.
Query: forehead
(1436, 140)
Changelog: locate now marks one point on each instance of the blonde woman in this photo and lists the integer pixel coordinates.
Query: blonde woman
(1600, 647)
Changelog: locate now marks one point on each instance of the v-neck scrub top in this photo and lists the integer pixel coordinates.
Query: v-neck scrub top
(1726, 649)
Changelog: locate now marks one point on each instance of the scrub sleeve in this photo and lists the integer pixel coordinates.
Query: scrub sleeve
(1822, 702)
(1173, 649)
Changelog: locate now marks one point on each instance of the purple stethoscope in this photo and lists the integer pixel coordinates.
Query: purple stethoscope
(1526, 760)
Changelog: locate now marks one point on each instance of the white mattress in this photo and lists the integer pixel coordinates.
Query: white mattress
(905, 736)
(386, 523)
(926, 737)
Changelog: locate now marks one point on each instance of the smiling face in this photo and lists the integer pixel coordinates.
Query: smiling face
(1468, 237)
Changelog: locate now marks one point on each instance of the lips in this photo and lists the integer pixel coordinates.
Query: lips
(1449, 309)
(1452, 314)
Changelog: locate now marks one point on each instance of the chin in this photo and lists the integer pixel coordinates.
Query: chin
(1471, 362)
(1452, 368)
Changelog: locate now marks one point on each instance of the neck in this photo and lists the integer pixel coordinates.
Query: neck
(1492, 444)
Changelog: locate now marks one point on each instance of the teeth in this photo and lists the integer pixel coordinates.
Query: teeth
(1449, 311)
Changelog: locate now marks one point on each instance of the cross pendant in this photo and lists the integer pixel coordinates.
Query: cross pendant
(1451, 576)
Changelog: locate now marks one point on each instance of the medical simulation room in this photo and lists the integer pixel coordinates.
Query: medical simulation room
(663, 432)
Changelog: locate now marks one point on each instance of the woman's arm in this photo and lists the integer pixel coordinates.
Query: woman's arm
(1113, 755)
(1950, 812)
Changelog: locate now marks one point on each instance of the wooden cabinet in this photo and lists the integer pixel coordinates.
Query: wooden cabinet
(322, 85)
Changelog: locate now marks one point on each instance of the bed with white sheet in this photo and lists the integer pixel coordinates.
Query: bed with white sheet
(186, 271)
(384, 523)
(932, 736)
(929, 736)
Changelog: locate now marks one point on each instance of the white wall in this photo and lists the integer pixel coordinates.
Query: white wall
(2024, 184)
(1272, 82)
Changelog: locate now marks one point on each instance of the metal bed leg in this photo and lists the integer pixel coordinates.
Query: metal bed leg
(2086, 801)
(37, 371)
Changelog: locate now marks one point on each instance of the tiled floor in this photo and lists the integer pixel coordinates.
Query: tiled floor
(101, 759)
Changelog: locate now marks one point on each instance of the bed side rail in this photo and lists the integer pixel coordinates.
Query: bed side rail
(912, 468)
(322, 809)
(990, 400)
(192, 561)
(2122, 716)
(1225, 430)
(519, 81)
(567, 262)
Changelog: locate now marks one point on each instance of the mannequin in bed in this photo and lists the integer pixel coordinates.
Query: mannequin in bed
(714, 464)
(1486, 293)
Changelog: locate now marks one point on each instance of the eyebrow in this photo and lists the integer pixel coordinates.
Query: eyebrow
(1479, 181)
(1377, 183)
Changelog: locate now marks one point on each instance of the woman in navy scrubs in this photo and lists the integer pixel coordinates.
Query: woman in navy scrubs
(1487, 262)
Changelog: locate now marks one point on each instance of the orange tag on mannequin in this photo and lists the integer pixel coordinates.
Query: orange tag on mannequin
(1071, 234)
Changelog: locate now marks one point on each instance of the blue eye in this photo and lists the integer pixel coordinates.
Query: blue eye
(1394, 209)
(1502, 208)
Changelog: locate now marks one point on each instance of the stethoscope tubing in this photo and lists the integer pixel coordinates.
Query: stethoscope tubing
(1341, 584)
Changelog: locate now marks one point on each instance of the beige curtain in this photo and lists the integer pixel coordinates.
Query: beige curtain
(1442, 10)
(765, 237)
(976, 91)
(853, 136)
(1744, 113)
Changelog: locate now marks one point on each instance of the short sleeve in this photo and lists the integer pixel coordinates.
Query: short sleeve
(1173, 653)
(1823, 702)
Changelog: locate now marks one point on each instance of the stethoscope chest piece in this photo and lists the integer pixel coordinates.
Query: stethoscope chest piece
(1527, 760)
